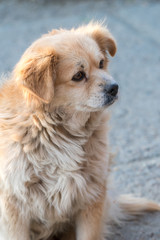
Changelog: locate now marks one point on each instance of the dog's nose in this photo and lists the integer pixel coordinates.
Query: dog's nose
(112, 89)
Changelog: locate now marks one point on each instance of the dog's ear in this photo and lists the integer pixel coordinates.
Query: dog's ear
(102, 36)
(36, 73)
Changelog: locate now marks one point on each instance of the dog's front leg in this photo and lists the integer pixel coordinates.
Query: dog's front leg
(89, 224)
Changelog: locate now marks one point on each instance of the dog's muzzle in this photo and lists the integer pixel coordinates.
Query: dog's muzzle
(111, 93)
(111, 89)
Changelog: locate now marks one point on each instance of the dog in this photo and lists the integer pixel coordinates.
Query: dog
(54, 154)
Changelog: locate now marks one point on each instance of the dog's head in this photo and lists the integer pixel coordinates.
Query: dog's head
(69, 68)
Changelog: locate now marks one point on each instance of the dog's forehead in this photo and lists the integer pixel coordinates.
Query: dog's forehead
(71, 43)
(77, 45)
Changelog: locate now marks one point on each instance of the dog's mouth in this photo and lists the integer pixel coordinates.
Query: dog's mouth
(99, 102)
(110, 100)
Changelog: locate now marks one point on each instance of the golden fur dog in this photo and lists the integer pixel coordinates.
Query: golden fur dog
(54, 156)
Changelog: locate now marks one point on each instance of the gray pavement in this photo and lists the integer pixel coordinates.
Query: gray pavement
(135, 121)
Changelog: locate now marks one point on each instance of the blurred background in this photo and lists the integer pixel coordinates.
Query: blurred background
(135, 121)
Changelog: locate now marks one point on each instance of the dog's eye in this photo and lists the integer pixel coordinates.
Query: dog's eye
(79, 76)
(101, 64)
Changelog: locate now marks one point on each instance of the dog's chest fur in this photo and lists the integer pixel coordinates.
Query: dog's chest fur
(54, 167)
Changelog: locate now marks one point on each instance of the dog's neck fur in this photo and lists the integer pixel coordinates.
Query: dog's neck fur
(79, 126)
(77, 123)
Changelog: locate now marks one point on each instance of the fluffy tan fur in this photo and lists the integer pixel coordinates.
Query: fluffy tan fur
(54, 156)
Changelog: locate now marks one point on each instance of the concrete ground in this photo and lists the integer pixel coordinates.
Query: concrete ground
(135, 122)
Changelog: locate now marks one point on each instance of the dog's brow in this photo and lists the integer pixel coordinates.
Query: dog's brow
(80, 64)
